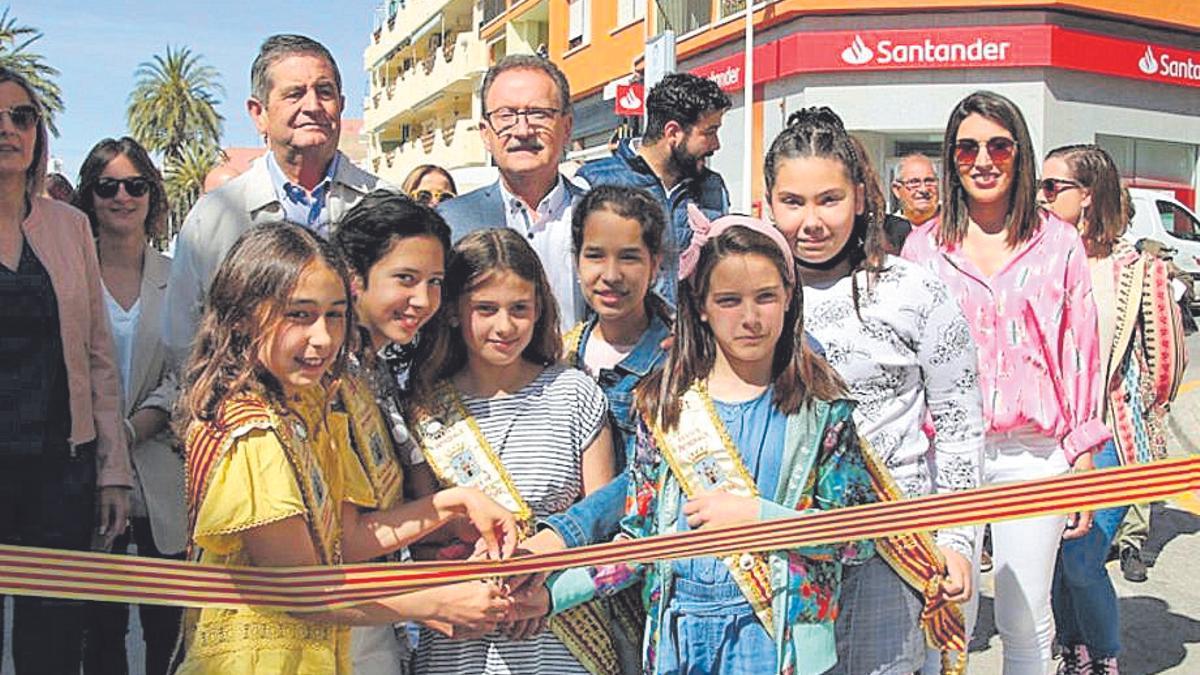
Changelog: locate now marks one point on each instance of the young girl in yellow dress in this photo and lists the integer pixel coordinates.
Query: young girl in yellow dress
(271, 481)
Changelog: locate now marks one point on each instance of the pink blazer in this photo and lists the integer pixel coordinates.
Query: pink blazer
(62, 239)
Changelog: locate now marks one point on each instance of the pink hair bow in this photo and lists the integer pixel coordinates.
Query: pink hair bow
(704, 229)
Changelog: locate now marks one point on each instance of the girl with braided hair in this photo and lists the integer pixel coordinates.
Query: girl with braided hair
(902, 345)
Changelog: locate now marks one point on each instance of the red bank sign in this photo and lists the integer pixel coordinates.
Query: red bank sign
(969, 47)
(631, 99)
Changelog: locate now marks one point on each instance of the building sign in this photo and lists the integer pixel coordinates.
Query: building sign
(1037, 46)
(631, 99)
(727, 72)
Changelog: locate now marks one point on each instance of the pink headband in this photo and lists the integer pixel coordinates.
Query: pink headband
(704, 229)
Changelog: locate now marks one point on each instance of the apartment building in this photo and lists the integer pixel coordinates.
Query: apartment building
(1121, 73)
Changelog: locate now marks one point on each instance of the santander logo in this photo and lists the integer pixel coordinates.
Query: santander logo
(857, 53)
(1148, 64)
(630, 100)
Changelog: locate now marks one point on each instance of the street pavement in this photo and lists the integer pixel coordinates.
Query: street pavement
(1160, 618)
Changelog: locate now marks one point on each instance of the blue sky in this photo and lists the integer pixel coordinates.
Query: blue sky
(98, 46)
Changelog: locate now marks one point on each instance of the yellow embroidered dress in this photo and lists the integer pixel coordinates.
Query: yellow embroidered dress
(267, 464)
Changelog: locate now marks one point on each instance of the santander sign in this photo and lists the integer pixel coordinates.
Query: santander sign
(1164, 64)
(927, 51)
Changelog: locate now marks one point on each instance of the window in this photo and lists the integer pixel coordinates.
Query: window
(629, 11)
(577, 22)
(684, 16)
(1178, 222)
(731, 7)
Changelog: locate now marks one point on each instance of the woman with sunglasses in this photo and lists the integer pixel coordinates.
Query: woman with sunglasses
(1141, 357)
(430, 184)
(64, 464)
(1021, 276)
(122, 194)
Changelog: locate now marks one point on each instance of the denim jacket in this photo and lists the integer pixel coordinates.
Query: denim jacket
(596, 517)
(707, 191)
(823, 469)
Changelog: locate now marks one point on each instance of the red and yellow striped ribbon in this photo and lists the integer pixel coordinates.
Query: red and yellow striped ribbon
(99, 576)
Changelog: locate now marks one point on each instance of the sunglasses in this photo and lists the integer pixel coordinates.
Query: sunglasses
(428, 197)
(999, 148)
(23, 116)
(106, 188)
(1053, 187)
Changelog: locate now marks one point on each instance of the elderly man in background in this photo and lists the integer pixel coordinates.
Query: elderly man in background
(525, 127)
(915, 187)
(296, 103)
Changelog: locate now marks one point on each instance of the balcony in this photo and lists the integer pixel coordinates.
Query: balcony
(453, 144)
(412, 17)
(452, 70)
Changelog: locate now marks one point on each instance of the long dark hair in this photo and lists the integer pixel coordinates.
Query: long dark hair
(1022, 219)
(106, 151)
(819, 132)
(799, 374)
(1104, 221)
(476, 259)
(245, 306)
(634, 204)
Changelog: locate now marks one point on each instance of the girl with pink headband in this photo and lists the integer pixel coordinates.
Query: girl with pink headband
(743, 423)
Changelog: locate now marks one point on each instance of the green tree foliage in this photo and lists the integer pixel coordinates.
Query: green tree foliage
(184, 178)
(174, 104)
(15, 54)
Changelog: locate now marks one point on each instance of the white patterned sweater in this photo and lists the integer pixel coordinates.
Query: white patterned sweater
(910, 353)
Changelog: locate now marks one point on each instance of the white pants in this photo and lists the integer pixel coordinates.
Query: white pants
(1023, 553)
(377, 650)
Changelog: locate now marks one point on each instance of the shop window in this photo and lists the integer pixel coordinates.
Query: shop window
(1144, 161)
(577, 22)
(629, 11)
(684, 16)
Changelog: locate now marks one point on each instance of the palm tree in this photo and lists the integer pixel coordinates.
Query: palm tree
(174, 103)
(15, 40)
(184, 178)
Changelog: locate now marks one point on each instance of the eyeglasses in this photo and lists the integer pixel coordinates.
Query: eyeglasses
(503, 119)
(428, 197)
(23, 116)
(914, 183)
(1053, 187)
(999, 148)
(106, 188)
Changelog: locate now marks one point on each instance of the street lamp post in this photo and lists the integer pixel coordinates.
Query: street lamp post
(748, 107)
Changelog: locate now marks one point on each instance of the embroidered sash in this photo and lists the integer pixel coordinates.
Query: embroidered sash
(704, 458)
(457, 452)
(571, 344)
(208, 444)
(915, 558)
(372, 442)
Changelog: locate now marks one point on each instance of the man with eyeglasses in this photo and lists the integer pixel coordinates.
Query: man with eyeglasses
(296, 103)
(683, 118)
(526, 124)
(915, 187)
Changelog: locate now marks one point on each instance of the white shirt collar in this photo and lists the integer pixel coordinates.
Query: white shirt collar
(552, 204)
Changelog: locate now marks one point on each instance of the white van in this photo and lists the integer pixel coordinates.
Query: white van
(1162, 217)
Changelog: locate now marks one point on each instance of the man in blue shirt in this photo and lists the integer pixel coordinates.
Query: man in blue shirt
(296, 103)
(683, 116)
